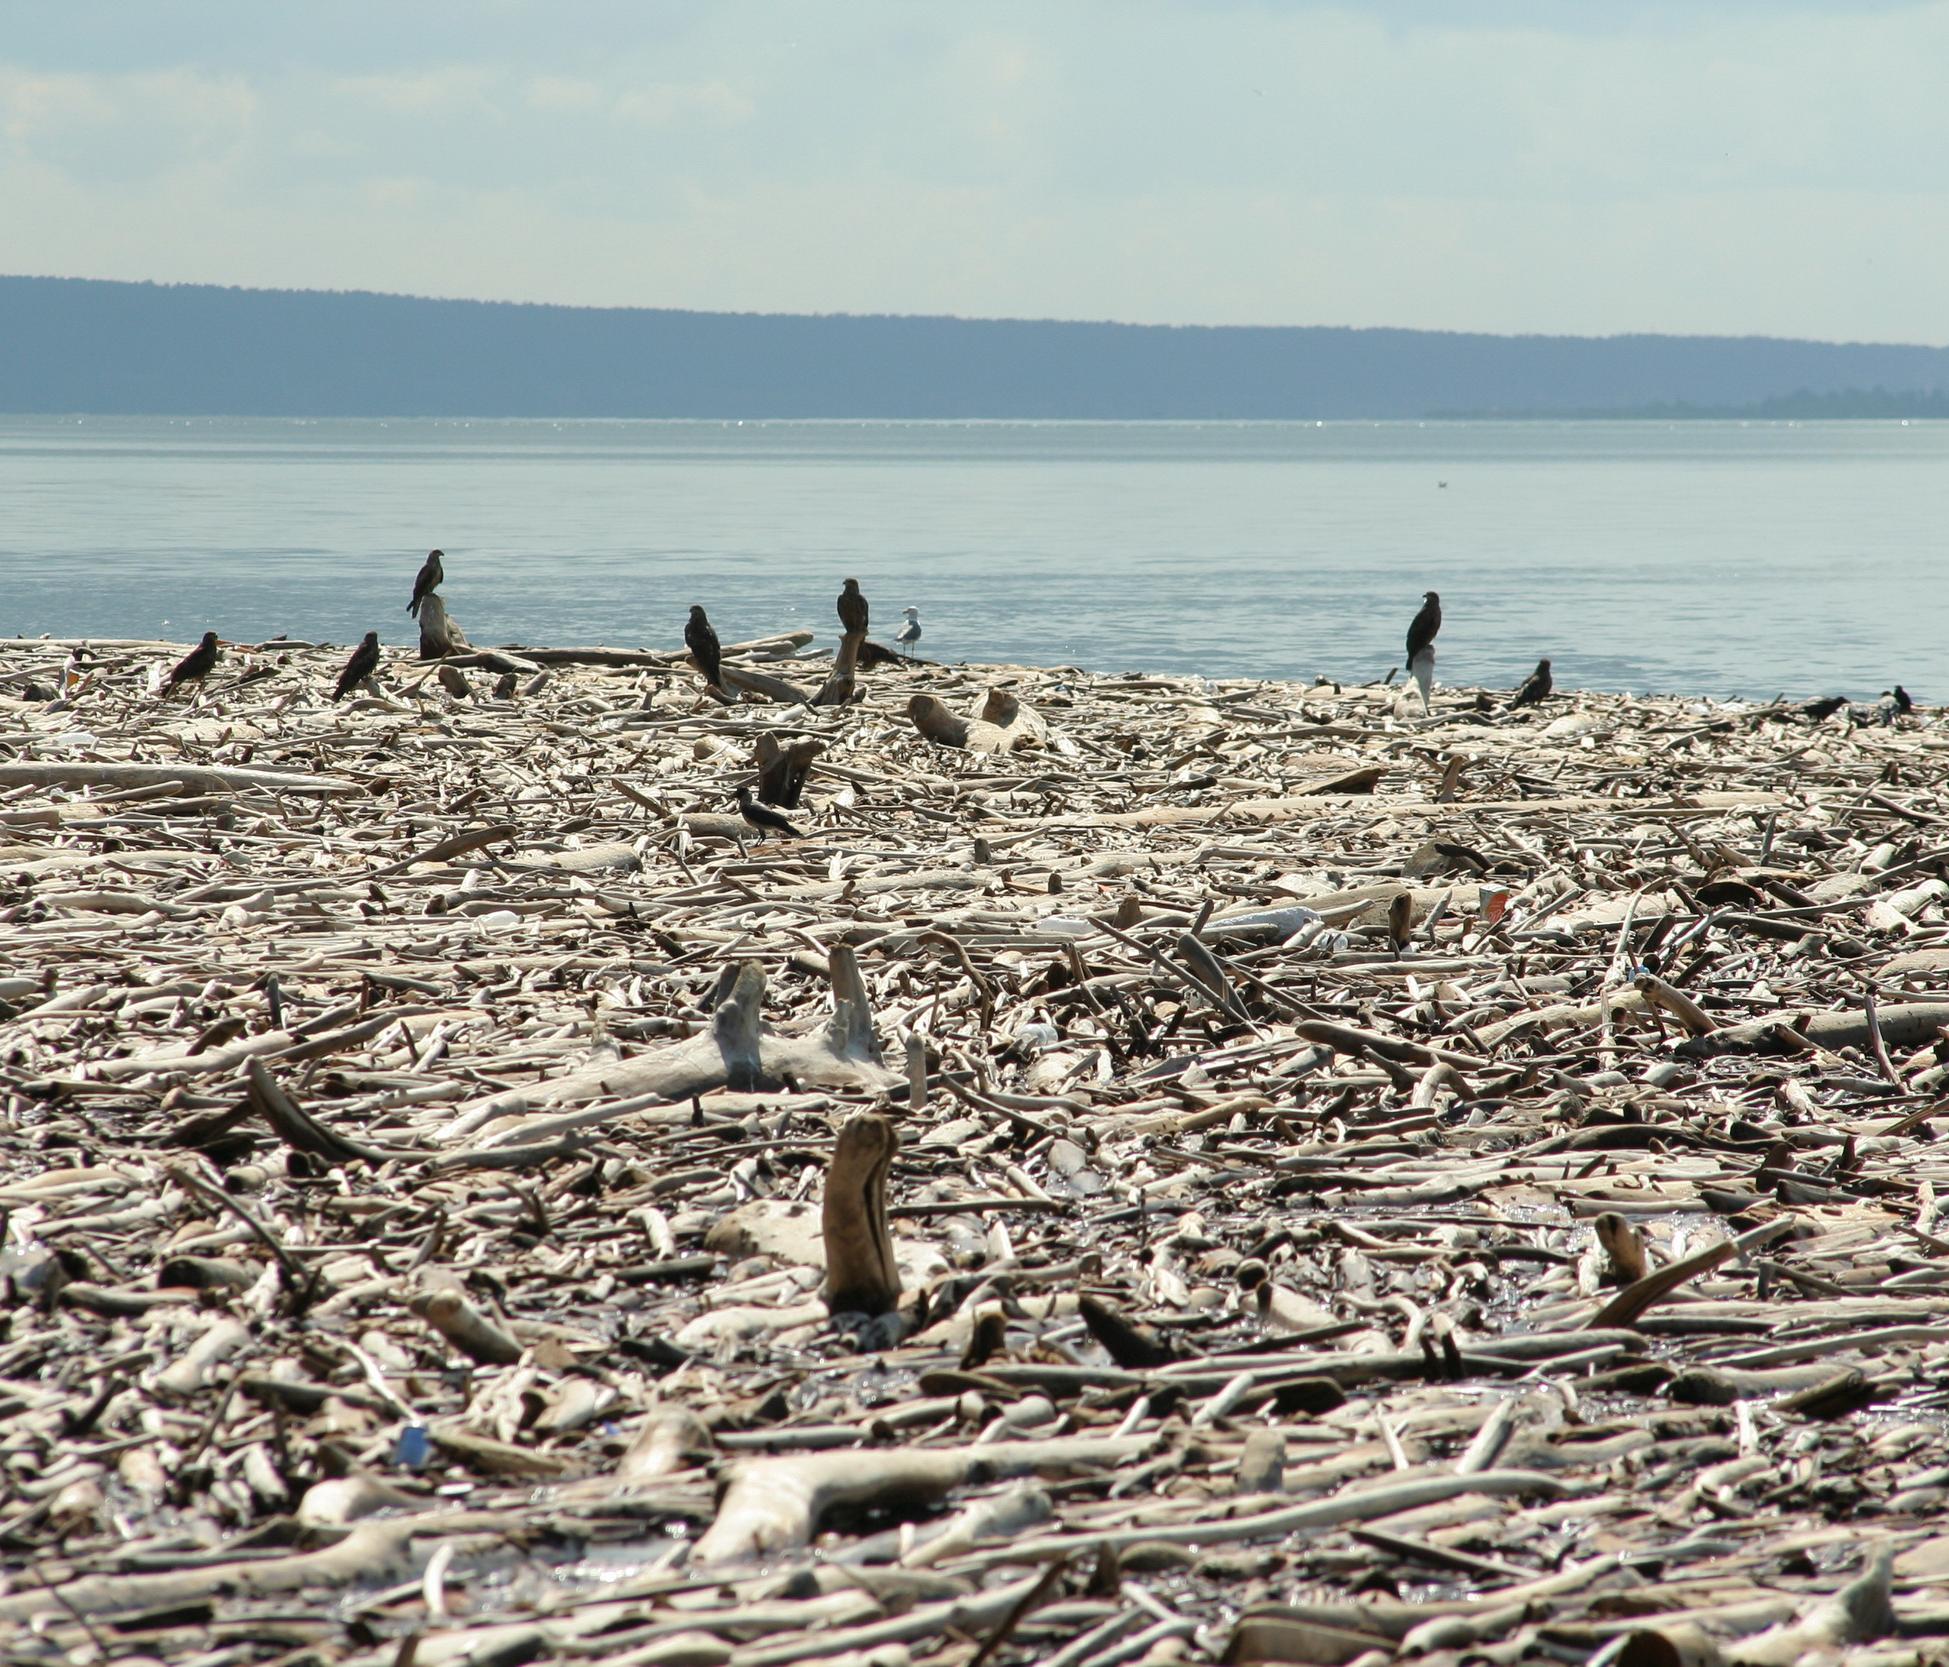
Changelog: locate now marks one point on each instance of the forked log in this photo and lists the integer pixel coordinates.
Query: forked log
(782, 770)
(440, 633)
(777, 1504)
(736, 1052)
(838, 689)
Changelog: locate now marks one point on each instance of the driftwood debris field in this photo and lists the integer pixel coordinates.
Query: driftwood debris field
(1146, 1170)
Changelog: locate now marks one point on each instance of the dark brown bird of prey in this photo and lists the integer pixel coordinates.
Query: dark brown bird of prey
(431, 575)
(1819, 711)
(194, 666)
(1904, 702)
(364, 662)
(1421, 645)
(702, 642)
(763, 817)
(1536, 687)
(1421, 634)
(852, 609)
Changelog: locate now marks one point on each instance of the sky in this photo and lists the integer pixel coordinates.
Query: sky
(1578, 166)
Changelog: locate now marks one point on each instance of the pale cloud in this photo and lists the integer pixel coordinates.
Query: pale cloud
(460, 89)
(561, 92)
(669, 104)
(187, 106)
(33, 106)
(1514, 165)
(398, 194)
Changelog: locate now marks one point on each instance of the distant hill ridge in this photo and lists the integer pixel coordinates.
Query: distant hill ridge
(86, 345)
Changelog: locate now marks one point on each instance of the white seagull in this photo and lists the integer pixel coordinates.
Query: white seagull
(909, 634)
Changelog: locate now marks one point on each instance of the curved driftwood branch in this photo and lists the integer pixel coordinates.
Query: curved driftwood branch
(1859, 1613)
(861, 1275)
(363, 1554)
(1624, 1308)
(738, 680)
(191, 778)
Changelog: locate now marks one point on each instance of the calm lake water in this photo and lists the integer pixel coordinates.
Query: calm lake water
(1711, 558)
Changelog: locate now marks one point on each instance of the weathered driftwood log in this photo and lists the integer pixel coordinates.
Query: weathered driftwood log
(1859, 1613)
(192, 778)
(610, 857)
(776, 1504)
(740, 680)
(1347, 1039)
(477, 1335)
(780, 645)
(1210, 972)
(782, 770)
(364, 1554)
(198, 1365)
(1271, 1632)
(861, 1275)
(1004, 709)
(1668, 998)
(838, 689)
(1905, 1025)
(1309, 801)
(670, 1440)
(996, 1517)
(735, 1053)
(271, 1043)
(1360, 1504)
(624, 659)
(440, 633)
(454, 845)
(1574, 1013)
(941, 726)
(497, 660)
(1001, 724)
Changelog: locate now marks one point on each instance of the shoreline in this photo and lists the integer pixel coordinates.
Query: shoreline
(806, 643)
(415, 1116)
